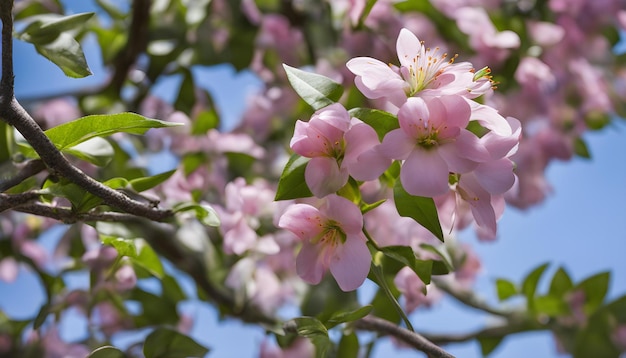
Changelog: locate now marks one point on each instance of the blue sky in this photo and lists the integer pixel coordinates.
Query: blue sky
(581, 226)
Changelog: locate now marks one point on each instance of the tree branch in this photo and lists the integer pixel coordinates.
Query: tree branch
(67, 216)
(10, 201)
(136, 44)
(415, 340)
(500, 331)
(14, 114)
(32, 167)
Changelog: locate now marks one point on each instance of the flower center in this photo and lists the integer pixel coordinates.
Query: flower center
(332, 234)
(426, 67)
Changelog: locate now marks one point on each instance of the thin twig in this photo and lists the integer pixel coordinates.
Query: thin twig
(470, 299)
(67, 216)
(499, 331)
(415, 340)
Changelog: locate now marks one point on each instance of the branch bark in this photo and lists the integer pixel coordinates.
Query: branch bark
(415, 340)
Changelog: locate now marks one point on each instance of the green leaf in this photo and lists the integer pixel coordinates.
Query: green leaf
(168, 343)
(97, 151)
(349, 316)
(291, 184)
(382, 122)
(505, 288)
(147, 258)
(561, 283)
(420, 209)
(64, 23)
(44, 311)
(145, 183)
(67, 54)
(488, 345)
(204, 213)
(406, 256)
(446, 260)
(124, 247)
(581, 149)
(365, 207)
(529, 285)
(595, 288)
(107, 352)
(551, 305)
(89, 201)
(348, 346)
(314, 330)
(316, 90)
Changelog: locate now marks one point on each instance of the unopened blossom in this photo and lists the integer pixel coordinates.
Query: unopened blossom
(432, 141)
(422, 71)
(9, 269)
(338, 147)
(332, 238)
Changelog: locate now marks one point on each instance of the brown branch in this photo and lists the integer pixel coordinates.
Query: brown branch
(415, 340)
(32, 167)
(10, 201)
(67, 216)
(7, 81)
(136, 44)
(499, 331)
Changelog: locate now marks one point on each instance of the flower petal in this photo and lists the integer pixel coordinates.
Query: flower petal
(303, 220)
(496, 176)
(345, 212)
(425, 173)
(350, 263)
(408, 47)
(323, 176)
(397, 144)
(310, 264)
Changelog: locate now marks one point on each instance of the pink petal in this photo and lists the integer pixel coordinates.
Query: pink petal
(375, 79)
(414, 117)
(345, 212)
(303, 220)
(489, 118)
(363, 158)
(310, 264)
(496, 176)
(369, 165)
(425, 173)
(455, 161)
(503, 146)
(324, 177)
(397, 145)
(350, 263)
(469, 146)
(408, 47)
(456, 111)
(335, 115)
(480, 203)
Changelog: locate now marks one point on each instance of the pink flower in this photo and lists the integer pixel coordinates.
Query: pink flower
(9, 269)
(422, 71)
(332, 238)
(339, 146)
(433, 141)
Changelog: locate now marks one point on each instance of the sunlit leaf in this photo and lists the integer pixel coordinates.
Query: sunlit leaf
(292, 184)
(420, 209)
(204, 213)
(505, 289)
(316, 90)
(529, 284)
(349, 316)
(382, 122)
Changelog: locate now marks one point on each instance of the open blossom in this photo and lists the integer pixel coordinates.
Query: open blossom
(433, 141)
(332, 238)
(338, 147)
(422, 71)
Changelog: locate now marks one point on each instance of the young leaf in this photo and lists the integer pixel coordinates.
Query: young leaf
(165, 342)
(505, 288)
(348, 346)
(124, 247)
(342, 316)
(316, 90)
(206, 214)
(561, 283)
(382, 122)
(488, 345)
(148, 259)
(420, 209)
(581, 149)
(145, 183)
(529, 285)
(314, 330)
(291, 184)
(406, 256)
